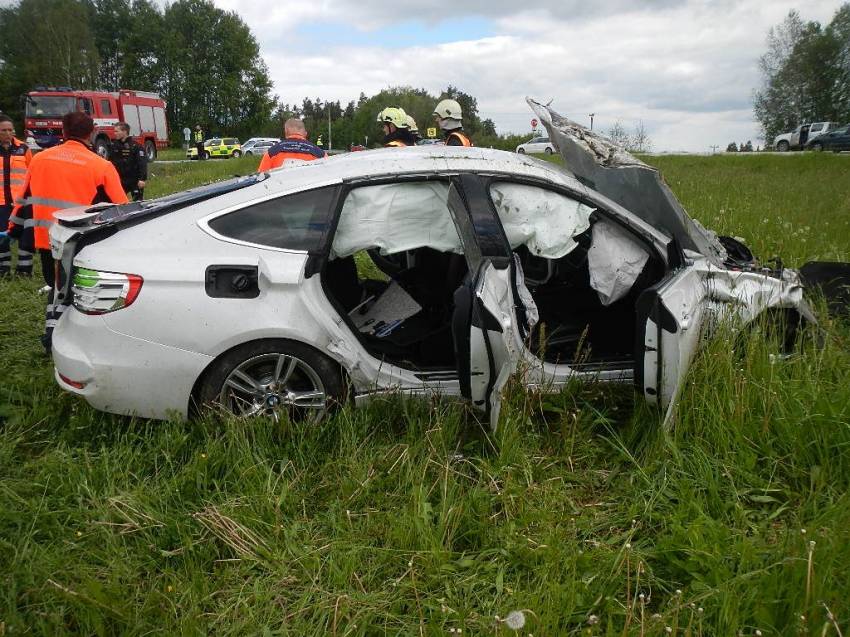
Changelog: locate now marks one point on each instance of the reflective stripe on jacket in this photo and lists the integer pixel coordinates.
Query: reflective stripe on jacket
(457, 138)
(295, 147)
(13, 170)
(395, 143)
(62, 177)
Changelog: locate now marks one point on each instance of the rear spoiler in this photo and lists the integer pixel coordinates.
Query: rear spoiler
(106, 214)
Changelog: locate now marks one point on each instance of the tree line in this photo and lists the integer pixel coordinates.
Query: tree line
(805, 74)
(202, 60)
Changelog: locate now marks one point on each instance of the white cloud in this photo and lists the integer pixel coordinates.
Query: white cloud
(687, 69)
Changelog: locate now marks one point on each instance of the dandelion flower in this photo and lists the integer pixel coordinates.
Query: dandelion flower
(515, 620)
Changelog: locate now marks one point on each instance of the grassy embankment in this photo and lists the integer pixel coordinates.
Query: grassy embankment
(580, 512)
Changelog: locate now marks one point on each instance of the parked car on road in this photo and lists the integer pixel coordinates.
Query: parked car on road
(536, 145)
(217, 147)
(258, 145)
(835, 140)
(804, 134)
(259, 295)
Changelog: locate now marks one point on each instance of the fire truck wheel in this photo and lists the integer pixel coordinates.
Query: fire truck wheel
(150, 150)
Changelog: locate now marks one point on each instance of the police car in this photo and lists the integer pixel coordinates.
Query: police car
(217, 147)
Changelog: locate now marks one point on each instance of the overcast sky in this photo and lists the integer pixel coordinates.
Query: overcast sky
(686, 68)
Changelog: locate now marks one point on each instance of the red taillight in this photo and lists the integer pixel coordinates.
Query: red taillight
(98, 292)
(73, 383)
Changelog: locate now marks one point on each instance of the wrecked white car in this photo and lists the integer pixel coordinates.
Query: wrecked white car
(421, 270)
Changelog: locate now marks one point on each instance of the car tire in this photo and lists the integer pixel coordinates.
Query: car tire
(548, 150)
(783, 146)
(236, 153)
(280, 370)
(150, 150)
(101, 147)
(206, 155)
(521, 151)
(817, 147)
(248, 153)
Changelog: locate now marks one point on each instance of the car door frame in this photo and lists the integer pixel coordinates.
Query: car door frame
(486, 250)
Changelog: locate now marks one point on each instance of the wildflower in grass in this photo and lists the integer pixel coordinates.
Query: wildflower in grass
(515, 620)
(592, 620)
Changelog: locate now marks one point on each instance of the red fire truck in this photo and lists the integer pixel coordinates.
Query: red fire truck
(144, 112)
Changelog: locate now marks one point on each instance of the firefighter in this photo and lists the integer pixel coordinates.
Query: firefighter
(199, 141)
(414, 129)
(130, 160)
(449, 116)
(15, 157)
(63, 176)
(295, 145)
(394, 124)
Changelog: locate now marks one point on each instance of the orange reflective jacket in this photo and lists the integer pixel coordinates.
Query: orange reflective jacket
(456, 138)
(61, 177)
(294, 147)
(13, 169)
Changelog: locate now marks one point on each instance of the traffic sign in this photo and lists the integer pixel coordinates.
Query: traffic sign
(187, 133)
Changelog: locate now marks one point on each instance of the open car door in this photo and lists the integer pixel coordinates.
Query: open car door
(488, 314)
(670, 316)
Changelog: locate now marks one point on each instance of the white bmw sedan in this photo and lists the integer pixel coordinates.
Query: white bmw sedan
(418, 270)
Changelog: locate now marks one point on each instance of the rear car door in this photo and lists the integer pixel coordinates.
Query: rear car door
(487, 324)
(670, 318)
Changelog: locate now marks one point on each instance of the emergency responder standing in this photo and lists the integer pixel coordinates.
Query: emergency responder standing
(394, 124)
(63, 176)
(15, 157)
(199, 141)
(449, 116)
(130, 160)
(294, 146)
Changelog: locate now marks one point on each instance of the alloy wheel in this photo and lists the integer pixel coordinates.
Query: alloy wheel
(270, 384)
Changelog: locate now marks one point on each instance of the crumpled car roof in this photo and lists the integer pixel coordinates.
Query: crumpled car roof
(615, 173)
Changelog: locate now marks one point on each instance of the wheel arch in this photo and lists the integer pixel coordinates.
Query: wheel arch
(194, 408)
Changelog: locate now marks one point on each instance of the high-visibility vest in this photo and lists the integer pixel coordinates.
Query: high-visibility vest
(13, 170)
(460, 137)
(199, 136)
(64, 176)
(293, 147)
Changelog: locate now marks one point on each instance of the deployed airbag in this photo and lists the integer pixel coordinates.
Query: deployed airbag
(395, 218)
(542, 220)
(615, 259)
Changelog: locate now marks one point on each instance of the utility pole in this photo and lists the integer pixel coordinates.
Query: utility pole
(714, 149)
(330, 138)
(591, 116)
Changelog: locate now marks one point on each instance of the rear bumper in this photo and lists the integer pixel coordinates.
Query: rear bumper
(122, 374)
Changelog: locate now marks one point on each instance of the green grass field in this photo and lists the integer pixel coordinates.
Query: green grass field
(581, 516)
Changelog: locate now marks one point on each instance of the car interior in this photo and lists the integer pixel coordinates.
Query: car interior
(396, 263)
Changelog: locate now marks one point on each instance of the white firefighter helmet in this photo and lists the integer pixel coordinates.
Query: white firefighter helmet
(448, 109)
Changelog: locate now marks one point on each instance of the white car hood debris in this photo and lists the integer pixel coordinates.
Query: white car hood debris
(615, 259)
(639, 188)
(545, 222)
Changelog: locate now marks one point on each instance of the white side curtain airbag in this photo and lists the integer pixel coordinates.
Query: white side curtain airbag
(616, 259)
(395, 218)
(542, 220)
